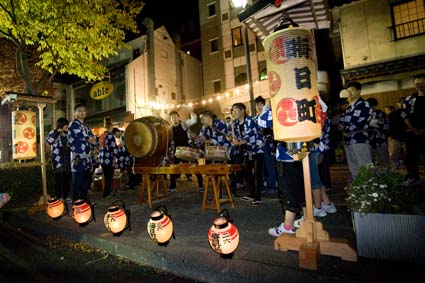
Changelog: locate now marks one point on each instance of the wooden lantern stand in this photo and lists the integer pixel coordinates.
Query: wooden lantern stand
(40, 101)
(310, 239)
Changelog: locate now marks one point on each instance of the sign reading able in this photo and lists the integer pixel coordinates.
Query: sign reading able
(101, 90)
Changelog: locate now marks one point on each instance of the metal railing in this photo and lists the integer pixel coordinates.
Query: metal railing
(409, 29)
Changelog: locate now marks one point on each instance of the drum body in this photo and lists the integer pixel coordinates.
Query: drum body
(187, 153)
(216, 153)
(148, 138)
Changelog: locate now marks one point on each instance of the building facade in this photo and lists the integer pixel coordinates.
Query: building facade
(224, 59)
(383, 45)
(150, 77)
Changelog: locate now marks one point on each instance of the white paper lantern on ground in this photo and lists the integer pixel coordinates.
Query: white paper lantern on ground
(223, 235)
(117, 218)
(160, 226)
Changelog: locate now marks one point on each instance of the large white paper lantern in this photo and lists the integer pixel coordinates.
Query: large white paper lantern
(293, 85)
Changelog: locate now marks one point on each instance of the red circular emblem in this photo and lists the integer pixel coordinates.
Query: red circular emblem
(287, 114)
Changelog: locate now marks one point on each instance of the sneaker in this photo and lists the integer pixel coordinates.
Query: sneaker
(201, 189)
(255, 203)
(297, 222)
(319, 212)
(411, 182)
(279, 230)
(329, 208)
(247, 198)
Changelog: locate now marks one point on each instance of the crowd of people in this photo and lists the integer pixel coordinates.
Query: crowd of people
(269, 167)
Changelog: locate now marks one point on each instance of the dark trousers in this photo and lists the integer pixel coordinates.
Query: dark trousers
(414, 149)
(131, 177)
(259, 175)
(80, 184)
(108, 175)
(291, 186)
(324, 169)
(62, 184)
(269, 166)
(174, 177)
(248, 168)
(236, 177)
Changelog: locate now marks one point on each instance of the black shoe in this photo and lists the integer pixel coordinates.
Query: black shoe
(255, 203)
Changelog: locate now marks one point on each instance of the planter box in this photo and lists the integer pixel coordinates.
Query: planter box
(396, 237)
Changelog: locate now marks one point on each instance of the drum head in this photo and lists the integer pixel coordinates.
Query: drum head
(139, 138)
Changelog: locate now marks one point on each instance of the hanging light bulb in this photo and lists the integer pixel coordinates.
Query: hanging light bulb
(210, 100)
(218, 97)
(55, 208)
(223, 235)
(204, 101)
(83, 212)
(117, 218)
(160, 226)
(226, 94)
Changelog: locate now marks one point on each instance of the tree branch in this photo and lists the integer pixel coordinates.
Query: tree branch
(7, 11)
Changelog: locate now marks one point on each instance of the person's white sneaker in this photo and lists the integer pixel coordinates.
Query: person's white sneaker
(329, 208)
(279, 230)
(319, 212)
(297, 222)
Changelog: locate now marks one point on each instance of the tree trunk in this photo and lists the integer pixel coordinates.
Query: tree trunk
(23, 68)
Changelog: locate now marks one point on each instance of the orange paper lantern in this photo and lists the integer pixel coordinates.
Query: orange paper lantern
(223, 235)
(82, 212)
(55, 208)
(160, 226)
(293, 85)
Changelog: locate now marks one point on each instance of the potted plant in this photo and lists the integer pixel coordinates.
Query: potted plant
(384, 221)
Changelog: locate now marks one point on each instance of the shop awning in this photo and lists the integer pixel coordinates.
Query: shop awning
(264, 16)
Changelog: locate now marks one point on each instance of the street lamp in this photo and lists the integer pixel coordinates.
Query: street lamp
(242, 4)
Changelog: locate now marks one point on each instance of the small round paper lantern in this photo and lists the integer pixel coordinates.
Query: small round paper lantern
(55, 208)
(293, 85)
(117, 218)
(160, 226)
(223, 235)
(82, 212)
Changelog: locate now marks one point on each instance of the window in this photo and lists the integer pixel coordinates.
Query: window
(217, 86)
(408, 18)
(211, 9)
(224, 17)
(236, 37)
(263, 70)
(164, 54)
(173, 96)
(227, 54)
(240, 75)
(214, 45)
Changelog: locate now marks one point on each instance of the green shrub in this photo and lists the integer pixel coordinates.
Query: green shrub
(24, 183)
(376, 190)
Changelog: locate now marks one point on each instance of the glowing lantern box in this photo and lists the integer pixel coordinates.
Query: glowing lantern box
(117, 218)
(293, 85)
(24, 134)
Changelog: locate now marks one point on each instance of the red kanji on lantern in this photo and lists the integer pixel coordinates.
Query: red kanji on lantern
(274, 82)
(277, 51)
(287, 112)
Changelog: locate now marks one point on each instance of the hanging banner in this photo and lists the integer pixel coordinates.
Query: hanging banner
(293, 85)
(24, 137)
(101, 90)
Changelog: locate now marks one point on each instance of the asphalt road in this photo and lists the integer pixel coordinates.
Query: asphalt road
(29, 258)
